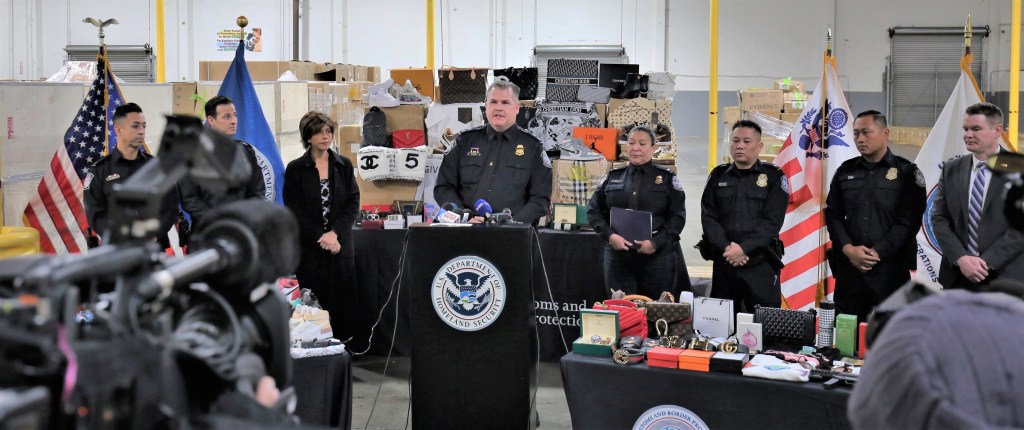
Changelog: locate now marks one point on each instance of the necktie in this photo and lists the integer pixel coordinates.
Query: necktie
(975, 206)
(634, 185)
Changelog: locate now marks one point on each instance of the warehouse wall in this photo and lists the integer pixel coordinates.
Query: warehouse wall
(759, 40)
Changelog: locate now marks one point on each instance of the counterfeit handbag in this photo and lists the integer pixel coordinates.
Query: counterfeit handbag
(462, 85)
(786, 326)
(524, 77)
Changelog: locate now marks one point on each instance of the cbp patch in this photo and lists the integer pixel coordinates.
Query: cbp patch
(785, 184)
(676, 183)
(919, 177)
(545, 159)
(88, 180)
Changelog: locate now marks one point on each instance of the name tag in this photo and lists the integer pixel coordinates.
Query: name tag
(723, 184)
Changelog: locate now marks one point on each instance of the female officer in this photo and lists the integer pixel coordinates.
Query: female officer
(646, 267)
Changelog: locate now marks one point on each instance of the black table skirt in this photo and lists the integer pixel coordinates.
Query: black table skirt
(605, 395)
(323, 387)
(574, 267)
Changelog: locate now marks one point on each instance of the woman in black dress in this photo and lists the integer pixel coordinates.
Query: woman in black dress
(320, 189)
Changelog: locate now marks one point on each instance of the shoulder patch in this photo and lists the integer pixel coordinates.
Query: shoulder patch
(88, 180)
(545, 159)
(784, 183)
(664, 168)
(676, 183)
(919, 177)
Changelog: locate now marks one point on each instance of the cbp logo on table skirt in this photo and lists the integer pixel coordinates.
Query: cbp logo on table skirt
(669, 417)
(468, 293)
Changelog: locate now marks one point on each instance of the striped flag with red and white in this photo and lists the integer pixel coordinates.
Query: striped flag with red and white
(821, 140)
(56, 210)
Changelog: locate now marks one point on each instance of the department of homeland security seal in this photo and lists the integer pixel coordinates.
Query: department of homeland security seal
(669, 417)
(468, 293)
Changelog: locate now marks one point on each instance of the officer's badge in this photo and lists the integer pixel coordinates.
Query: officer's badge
(88, 180)
(891, 174)
(723, 184)
(473, 152)
(677, 184)
(762, 180)
(113, 176)
(785, 184)
(658, 180)
(520, 151)
(919, 177)
(544, 158)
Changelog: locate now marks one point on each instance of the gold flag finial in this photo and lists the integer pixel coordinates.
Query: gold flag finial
(242, 21)
(967, 32)
(100, 24)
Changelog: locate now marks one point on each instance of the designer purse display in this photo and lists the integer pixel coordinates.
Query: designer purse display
(592, 94)
(786, 326)
(410, 138)
(462, 85)
(524, 77)
(632, 320)
(565, 75)
(679, 317)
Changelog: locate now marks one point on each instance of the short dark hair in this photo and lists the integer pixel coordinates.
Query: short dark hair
(502, 82)
(122, 111)
(876, 116)
(211, 105)
(643, 129)
(991, 112)
(746, 123)
(312, 123)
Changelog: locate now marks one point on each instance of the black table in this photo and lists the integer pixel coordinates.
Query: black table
(574, 263)
(323, 387)
(602, 394)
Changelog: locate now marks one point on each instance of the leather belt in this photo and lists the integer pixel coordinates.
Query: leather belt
(626, 356)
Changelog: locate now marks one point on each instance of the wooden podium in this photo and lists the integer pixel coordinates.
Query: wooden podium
(474, 335)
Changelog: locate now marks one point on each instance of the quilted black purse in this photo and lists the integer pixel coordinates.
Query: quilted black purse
(524, 77)
(786, 326)
(462, 85)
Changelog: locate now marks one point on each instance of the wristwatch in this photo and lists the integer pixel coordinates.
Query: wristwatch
(626, 356)
(631, 342)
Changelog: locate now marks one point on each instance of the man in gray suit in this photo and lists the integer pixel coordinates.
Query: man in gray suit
(978, 245)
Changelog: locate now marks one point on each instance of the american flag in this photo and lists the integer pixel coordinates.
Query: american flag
(56, 211)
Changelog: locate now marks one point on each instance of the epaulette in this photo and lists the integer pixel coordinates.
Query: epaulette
(527, 132)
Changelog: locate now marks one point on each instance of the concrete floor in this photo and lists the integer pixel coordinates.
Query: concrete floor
(381, 386)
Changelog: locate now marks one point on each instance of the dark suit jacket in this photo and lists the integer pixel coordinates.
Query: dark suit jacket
(1000, 246)
(302, 195)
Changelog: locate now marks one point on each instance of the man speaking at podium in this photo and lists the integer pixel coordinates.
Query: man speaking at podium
(498, 162)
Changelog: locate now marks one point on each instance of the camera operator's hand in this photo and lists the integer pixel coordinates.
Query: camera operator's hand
(267, 393)
(974, 268)
(329, 242)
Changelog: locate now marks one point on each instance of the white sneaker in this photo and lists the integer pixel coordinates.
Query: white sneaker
(312, 330)
(377, 95)
(446, 143)
(575, 150)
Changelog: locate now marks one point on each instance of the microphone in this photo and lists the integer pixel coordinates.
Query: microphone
(447, 216)
(248, 243)
(482, 208)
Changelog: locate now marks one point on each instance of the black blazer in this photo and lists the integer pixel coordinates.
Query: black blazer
(302, 196)
(1001, 246)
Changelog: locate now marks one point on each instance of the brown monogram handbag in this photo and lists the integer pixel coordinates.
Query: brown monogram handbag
(679, 317)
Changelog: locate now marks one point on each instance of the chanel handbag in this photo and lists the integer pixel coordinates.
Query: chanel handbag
(786, 326)
(462, 85)
(407, 207)
(564, 76)
(524, 77)
(407, 138)
(679, 317)
(632, 321)
(590, 93)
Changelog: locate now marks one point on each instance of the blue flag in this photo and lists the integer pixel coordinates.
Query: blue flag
(113, 100)
(252, 125)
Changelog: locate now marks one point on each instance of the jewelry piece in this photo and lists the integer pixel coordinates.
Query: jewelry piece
(658, 324)
(665, 341)
(651, 343)
(607, 341)
(678, 342)
(626, 356)
(595, 339)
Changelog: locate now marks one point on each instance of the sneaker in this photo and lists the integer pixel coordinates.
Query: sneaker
(377, 95)
(446, 143)
(665, 154)
(312, 329)
(408, 95)
(574, 149)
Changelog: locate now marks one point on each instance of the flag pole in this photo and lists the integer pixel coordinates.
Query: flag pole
(103, 55)
(822, 260)
(242, 22)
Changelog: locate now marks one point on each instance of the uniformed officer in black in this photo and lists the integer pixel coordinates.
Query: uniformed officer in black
(499, 162)
(117, 167)
(645, 267)
(742, 210)
(198, 200)
(873, 213)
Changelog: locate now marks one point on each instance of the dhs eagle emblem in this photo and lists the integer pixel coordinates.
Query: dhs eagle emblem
(815, 137)
(468, 293)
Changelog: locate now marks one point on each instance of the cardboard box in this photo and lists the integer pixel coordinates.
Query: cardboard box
(357, 90)
(422, 79)
(661, 356)
(790, 117)
(348, 138)
(183, 102)
(373, 74)
(696, 360)
(348, 113)
(384, 192)
(258, 70)
(360, 73)
(574, 182)
(761, 100)
(404, 117)
(770, 114)
(788, 85)
(730, 114)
